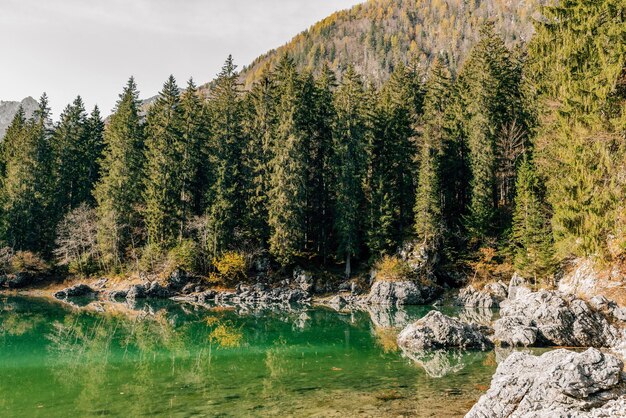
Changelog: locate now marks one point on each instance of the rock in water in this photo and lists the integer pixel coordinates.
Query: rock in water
(560, 383)
(547, 318)
(488, 297)
(438, 331)
(79, 290)
(400, 293)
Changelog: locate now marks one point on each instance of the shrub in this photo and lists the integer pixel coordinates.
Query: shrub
(28, 262)
(183, 256)
(393, 269)
(231, 267)
(152, 258)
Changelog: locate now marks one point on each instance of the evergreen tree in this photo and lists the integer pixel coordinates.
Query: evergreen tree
(531, 235)
(163, 172)
(194, 131)
(259, 124)
(489, 90)
(77, 147)
(119, 190)
(349, 163)
(28, 187)
(429, 223)
(578, 57)
(391, 165)
(287, 195)
(320, 141)
(226, 197)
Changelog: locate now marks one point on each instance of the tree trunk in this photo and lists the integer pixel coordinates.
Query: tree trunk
(348, 269)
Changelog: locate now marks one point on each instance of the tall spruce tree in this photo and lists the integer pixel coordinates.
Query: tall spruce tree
(531, 237)
(77, 147)
(429, 205)
(119, 190)
(194, 131)
(287, 196)
(226, 197)
(163, 175)
(391, 165)
(579, 58)
(28, 186)
(490, 97)
(259, 124)
(349, 163)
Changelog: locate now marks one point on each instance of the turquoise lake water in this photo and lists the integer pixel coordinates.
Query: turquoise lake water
(179, 360)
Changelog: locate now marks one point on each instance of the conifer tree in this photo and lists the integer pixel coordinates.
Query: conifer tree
(287, 195)
(163, 174)
(77, 147)
(429, 206)
(226, 197)
(578, 57)
(119, 190)
(28, 187)
(490, 97)
(391, 165)
(349, 163)
(531, 234)
(259, 124)
(194, 131)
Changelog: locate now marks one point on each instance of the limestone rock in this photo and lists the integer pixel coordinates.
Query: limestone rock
(551, 318)
(401, 293)
(438, 331)
(488, 297)
(78, 290)
(560, 383)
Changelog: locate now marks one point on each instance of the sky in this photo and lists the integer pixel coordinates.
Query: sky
(91, 47)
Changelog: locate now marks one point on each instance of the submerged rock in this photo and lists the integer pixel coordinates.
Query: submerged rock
(560, 383)
(547, 318)
(78, 290)
(440, 363)
(488, 297)
(401, 293)
(438, 331)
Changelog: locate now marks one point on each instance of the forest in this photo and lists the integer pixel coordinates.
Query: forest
(512, 162)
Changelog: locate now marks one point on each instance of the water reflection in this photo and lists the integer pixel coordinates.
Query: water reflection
(164, 358)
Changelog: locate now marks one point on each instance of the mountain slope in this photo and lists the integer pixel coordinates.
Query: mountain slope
(375, 35)
(9, 109)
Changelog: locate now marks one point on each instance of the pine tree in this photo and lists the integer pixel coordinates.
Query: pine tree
(578, 57)
(194, 131)
(259, 125)
(77, 146)
(94, 149)
(391, 151)
(489, 90)
(429, 206)
(320, 142)
(226, 197)
(163, 174)
(287, 195)
(531, 235)
(119, 190)
(28, 187)
(349, 163)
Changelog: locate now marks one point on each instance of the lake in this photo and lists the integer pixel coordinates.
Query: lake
(171, 359)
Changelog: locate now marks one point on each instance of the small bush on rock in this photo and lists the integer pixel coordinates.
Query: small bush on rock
(231, 267)
(393, 269)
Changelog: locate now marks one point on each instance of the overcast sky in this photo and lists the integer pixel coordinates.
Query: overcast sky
(91, 47)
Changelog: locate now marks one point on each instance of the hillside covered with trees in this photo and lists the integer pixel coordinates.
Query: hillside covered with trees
(375, 36)
(515, 161)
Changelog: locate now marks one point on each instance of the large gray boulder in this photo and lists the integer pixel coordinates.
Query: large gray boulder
(550, 318)
(404, 292)
(560, 383)
(78, 290)
(438, 331)
(489, 296)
